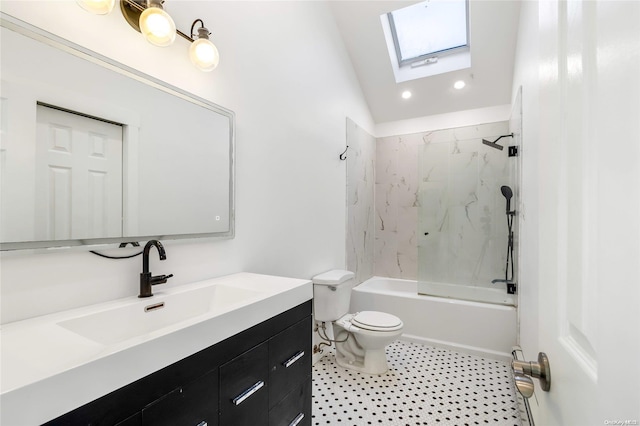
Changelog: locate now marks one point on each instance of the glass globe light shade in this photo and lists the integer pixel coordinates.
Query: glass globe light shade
(204, 54)
(98, 7)
(157, 26)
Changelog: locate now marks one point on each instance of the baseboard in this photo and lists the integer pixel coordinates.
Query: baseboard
(471, 350)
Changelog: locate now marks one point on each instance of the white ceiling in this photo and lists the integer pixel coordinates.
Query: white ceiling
(493, 28)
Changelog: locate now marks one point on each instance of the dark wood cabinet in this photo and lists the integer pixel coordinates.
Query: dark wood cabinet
(294, 409)
(135, 420)
(193, 404)
(290, 360)
(261, 376)
(244, 383)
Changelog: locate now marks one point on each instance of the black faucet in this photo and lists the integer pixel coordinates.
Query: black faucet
(146, 280)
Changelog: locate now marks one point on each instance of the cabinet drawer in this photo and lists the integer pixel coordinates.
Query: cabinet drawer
(244, 395)
(289, 359)
(190, 405)
(294, 409)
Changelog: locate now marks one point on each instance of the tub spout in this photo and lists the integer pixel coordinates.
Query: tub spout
(511, 286)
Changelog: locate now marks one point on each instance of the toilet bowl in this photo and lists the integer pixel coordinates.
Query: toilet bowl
(361, 337)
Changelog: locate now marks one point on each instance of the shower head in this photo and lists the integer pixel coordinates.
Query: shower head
(492, 144)
(508, 194)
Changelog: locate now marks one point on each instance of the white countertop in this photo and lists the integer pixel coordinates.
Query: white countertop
(48, 370)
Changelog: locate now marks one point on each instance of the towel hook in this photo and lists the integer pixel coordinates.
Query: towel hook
(343, 156)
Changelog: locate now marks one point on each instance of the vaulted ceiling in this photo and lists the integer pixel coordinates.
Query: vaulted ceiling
(493, 28)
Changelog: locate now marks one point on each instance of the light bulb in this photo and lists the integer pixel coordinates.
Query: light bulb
(98, 7)
(204, 54)
(406, 94)
(459, 84)
(157, 26)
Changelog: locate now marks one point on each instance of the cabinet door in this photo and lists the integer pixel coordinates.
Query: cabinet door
(289, 359)
(135, 420)
(244, 397)
(195, 404)
(294, 409)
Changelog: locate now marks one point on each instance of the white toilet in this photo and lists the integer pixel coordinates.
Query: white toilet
(360, 337)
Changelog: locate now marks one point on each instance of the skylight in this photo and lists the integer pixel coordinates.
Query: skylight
(428, 29)
(428, 38)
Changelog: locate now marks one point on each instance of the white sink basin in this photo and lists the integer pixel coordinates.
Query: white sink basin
(67, 359)
(144, 316)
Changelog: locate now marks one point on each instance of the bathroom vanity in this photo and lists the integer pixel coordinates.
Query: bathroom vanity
(243, 359)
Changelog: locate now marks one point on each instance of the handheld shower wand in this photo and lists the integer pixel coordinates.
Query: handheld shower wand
(508, 194)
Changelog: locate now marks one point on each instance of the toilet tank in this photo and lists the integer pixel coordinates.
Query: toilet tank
(332, 294)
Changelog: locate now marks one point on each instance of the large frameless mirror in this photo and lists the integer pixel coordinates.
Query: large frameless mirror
(94, 152)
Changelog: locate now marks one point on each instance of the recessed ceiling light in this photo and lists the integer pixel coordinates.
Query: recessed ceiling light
(459, 84)
(406, 94)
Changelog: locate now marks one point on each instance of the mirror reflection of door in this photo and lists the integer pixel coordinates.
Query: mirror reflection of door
(78, 176)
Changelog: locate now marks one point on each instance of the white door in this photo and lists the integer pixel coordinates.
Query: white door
(589, 195)
(78, 177)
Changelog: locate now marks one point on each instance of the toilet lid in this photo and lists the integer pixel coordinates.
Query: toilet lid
(378, 321)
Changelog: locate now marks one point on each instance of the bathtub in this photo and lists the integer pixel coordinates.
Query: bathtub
(484, 329)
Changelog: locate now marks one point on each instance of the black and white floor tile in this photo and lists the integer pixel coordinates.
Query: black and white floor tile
(424, 386)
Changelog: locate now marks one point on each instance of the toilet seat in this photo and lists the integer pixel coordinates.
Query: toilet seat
(376, 321)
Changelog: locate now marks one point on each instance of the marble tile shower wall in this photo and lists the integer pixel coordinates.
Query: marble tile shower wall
(457, 191)
(360, 205)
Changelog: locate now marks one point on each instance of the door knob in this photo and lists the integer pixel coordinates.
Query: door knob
(540, 370)
(524, 384)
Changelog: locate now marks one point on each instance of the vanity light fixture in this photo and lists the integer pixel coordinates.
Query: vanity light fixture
(97, 7)
(459, 85)
(156, 25)
(406, 94)
(203, 54)
(149, 18)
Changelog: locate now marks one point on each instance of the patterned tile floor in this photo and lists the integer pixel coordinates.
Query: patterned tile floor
(424, 386)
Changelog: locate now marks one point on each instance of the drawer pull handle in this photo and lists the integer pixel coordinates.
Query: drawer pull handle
(288, 363)
(297, 420)
(246, 394)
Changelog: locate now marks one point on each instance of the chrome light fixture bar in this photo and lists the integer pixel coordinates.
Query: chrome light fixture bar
(149, 18)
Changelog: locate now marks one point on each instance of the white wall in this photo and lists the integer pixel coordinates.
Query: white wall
(291, 95)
